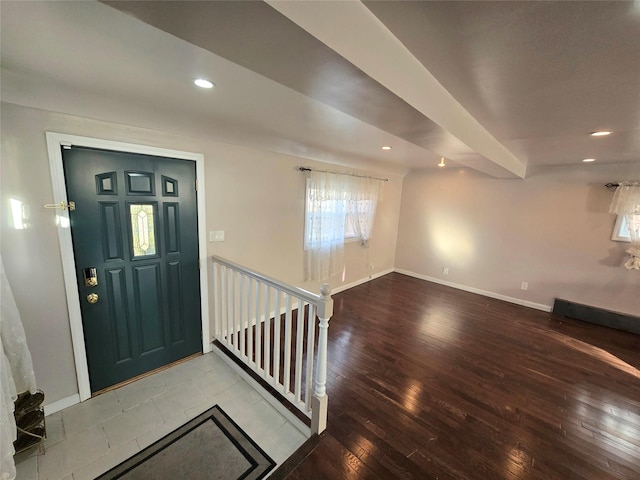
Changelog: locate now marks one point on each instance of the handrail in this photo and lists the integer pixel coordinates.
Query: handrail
(292, 290)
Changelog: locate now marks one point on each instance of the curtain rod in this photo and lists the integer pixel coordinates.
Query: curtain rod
(615, 185)
(307, 169)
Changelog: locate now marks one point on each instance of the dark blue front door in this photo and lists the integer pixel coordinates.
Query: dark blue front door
(135, 223)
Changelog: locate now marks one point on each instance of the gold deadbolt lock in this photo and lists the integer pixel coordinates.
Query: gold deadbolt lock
(92, 298)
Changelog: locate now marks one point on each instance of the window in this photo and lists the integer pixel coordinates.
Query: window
(337, 207)
(350, 233)
(325, 215)
(366, 209)
(626, 204)
(621, 230)
(143, 235)
(345, 209)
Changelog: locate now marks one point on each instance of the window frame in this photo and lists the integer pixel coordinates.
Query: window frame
(618, 230)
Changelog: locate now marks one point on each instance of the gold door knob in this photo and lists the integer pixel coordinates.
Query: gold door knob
(92, 298)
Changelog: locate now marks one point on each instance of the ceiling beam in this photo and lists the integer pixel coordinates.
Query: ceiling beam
(354, 32)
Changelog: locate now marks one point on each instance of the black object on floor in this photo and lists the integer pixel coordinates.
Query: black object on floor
(27, 402)
(30, 422)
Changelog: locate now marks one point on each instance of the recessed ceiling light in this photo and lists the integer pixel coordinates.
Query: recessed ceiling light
(587, 160)
(202, 83)
(386, 147)
(601, 133)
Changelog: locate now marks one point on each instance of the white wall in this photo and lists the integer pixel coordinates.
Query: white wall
(256, 197)
(552, 230)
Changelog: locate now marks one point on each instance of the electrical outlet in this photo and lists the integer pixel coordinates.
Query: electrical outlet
(445, 270)
(524, 286)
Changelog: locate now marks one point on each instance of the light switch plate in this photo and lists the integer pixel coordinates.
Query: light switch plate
(216, 236)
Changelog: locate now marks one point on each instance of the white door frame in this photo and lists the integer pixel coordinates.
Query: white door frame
(55, 141)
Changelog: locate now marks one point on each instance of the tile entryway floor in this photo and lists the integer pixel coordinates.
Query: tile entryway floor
(88, 439)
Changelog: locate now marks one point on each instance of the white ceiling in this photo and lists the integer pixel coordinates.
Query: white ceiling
(496, 86)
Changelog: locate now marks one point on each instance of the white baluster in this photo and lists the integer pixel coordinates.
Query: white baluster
(320, 400)
(234, 317)
(287, 344)
(257, 339)
(311, 339)
(250, 322)
(216, 301)
(276, 341)
(299, 347)
(267, 331)
(218, 306)
(229, 278)
(242, 324)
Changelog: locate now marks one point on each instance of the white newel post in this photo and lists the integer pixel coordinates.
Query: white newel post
(319, 400)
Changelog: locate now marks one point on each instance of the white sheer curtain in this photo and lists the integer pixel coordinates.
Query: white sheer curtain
(626, 201)
(16, 373)
(324, 225)
(331, 199)
(362, 201)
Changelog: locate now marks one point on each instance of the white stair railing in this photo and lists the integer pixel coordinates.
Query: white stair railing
(271, 327)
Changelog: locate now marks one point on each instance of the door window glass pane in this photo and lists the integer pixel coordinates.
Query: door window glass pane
(143, 229)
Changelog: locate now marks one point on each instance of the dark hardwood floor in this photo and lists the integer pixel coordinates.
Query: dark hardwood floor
(427, 382)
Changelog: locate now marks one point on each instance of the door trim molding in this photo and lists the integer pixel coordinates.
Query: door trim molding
(54, 143)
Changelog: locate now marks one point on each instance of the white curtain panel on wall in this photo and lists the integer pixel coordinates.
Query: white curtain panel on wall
(361, 206)
(332, 201)
(324, 225)
(626, 201)
(16, 373)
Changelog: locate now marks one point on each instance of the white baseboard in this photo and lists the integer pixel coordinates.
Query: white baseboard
(54, 407)
(342, 288)
(497, 296)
